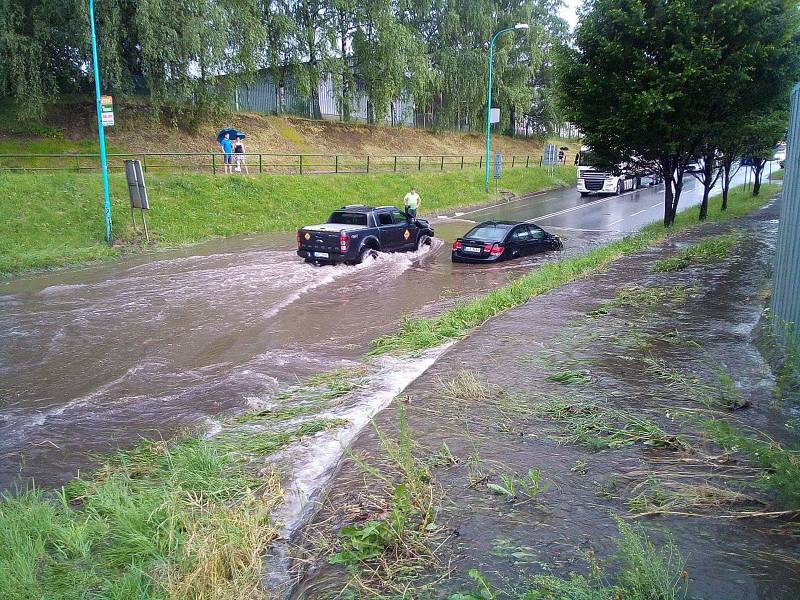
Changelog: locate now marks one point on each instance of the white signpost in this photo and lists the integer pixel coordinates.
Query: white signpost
(494, 115)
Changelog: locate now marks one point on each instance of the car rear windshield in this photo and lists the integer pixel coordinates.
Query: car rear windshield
(348, 218)
(488, 233)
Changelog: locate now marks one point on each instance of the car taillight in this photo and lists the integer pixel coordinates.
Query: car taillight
(457, 245)
(487, 247)
(496, 250)
(344, 242)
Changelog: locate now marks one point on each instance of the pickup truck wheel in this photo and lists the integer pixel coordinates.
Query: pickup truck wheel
(423, 240)
(367, 253)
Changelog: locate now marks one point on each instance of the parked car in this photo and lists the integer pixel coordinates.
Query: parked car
(494, 241)
(355, 232)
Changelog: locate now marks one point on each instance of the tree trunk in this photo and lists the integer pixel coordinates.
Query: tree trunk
(758, 170)
(704, 204)
(676, 197)
(345, 108)
(727, 165)
(666, 172)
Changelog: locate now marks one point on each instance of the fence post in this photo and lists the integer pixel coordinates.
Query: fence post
(260, 163)
(480, 162)
(78, 164)
(213, 164)
(395, 163)
(513, 157)
(462, 162)
(336, 169)
(527, 160)
(301, 164)
(144, 163)
(367, 163)
(442, 169)
(419, 166)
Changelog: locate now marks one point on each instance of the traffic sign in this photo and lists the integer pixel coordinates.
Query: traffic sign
(550, 154)
(494, 115)
(107, 110)
(498, 165)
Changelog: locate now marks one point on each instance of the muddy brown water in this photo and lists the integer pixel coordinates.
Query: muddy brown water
(726, 558)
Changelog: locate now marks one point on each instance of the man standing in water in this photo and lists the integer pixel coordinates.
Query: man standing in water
(411, 203)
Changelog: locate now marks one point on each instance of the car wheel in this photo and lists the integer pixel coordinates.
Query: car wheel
(423, 240)
(583, 194)
(367, 254)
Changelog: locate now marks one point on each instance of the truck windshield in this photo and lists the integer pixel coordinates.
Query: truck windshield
(348, 218)
(588, 159)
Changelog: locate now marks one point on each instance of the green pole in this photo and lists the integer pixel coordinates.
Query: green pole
(100, 132)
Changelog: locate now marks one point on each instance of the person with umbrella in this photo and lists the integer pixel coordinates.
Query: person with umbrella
(227, 149)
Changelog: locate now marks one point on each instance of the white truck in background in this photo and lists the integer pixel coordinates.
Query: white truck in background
(596, 180)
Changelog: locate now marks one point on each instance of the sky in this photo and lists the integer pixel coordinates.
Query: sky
(570, 12)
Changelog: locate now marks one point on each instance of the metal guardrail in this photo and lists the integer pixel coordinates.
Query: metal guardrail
(302, 164)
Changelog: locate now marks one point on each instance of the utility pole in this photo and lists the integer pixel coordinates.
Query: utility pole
(100, 130)
(518, 26)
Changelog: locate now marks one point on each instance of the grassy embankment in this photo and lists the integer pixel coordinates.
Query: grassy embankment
(777, 175)
(54, 220)
(420, 334)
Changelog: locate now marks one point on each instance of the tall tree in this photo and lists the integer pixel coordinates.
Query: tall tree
(650, 81)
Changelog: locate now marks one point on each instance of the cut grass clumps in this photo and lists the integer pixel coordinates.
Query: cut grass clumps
(571, 376)
(644, 571)
(600, 426)
(163, 521)
(416, 335)
(661, 497)
(710, 250)
(780, 465)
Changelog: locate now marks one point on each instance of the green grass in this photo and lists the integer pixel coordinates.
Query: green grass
(181, 520)
(713, 249)
(644, 571)
(777, 175)
(419, 334)
(50, 220)
(780, 465)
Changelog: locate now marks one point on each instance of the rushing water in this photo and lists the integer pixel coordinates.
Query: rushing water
(95, 358)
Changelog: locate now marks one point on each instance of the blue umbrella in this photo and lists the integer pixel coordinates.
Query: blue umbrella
(232, 134)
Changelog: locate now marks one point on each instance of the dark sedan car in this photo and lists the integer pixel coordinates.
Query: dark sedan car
(494, 241)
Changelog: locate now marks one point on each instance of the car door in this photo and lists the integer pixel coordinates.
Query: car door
(520, 240)
(537, 241)
(391, 233)
(408, 231)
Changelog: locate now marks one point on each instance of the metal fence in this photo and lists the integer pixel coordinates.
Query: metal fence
(300, 164)
(786, 294)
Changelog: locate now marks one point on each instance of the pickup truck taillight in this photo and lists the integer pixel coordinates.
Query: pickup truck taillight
(457, 245)
(496, 250)
(344, 242)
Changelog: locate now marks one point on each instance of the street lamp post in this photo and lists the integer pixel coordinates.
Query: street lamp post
(518, 26)
(100, 131)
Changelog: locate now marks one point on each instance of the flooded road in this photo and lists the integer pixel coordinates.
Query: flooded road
(95, 358)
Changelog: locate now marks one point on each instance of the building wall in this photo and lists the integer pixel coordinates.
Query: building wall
(786, 293)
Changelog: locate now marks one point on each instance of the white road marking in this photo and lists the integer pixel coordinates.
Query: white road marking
(519, 199)
(569, 210)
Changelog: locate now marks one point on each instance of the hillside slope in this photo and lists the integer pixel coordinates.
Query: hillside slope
(71, 128)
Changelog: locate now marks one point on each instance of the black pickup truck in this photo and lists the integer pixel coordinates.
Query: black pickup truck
(355, 232)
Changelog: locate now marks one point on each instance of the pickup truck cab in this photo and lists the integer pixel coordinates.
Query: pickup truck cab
(355, 232)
